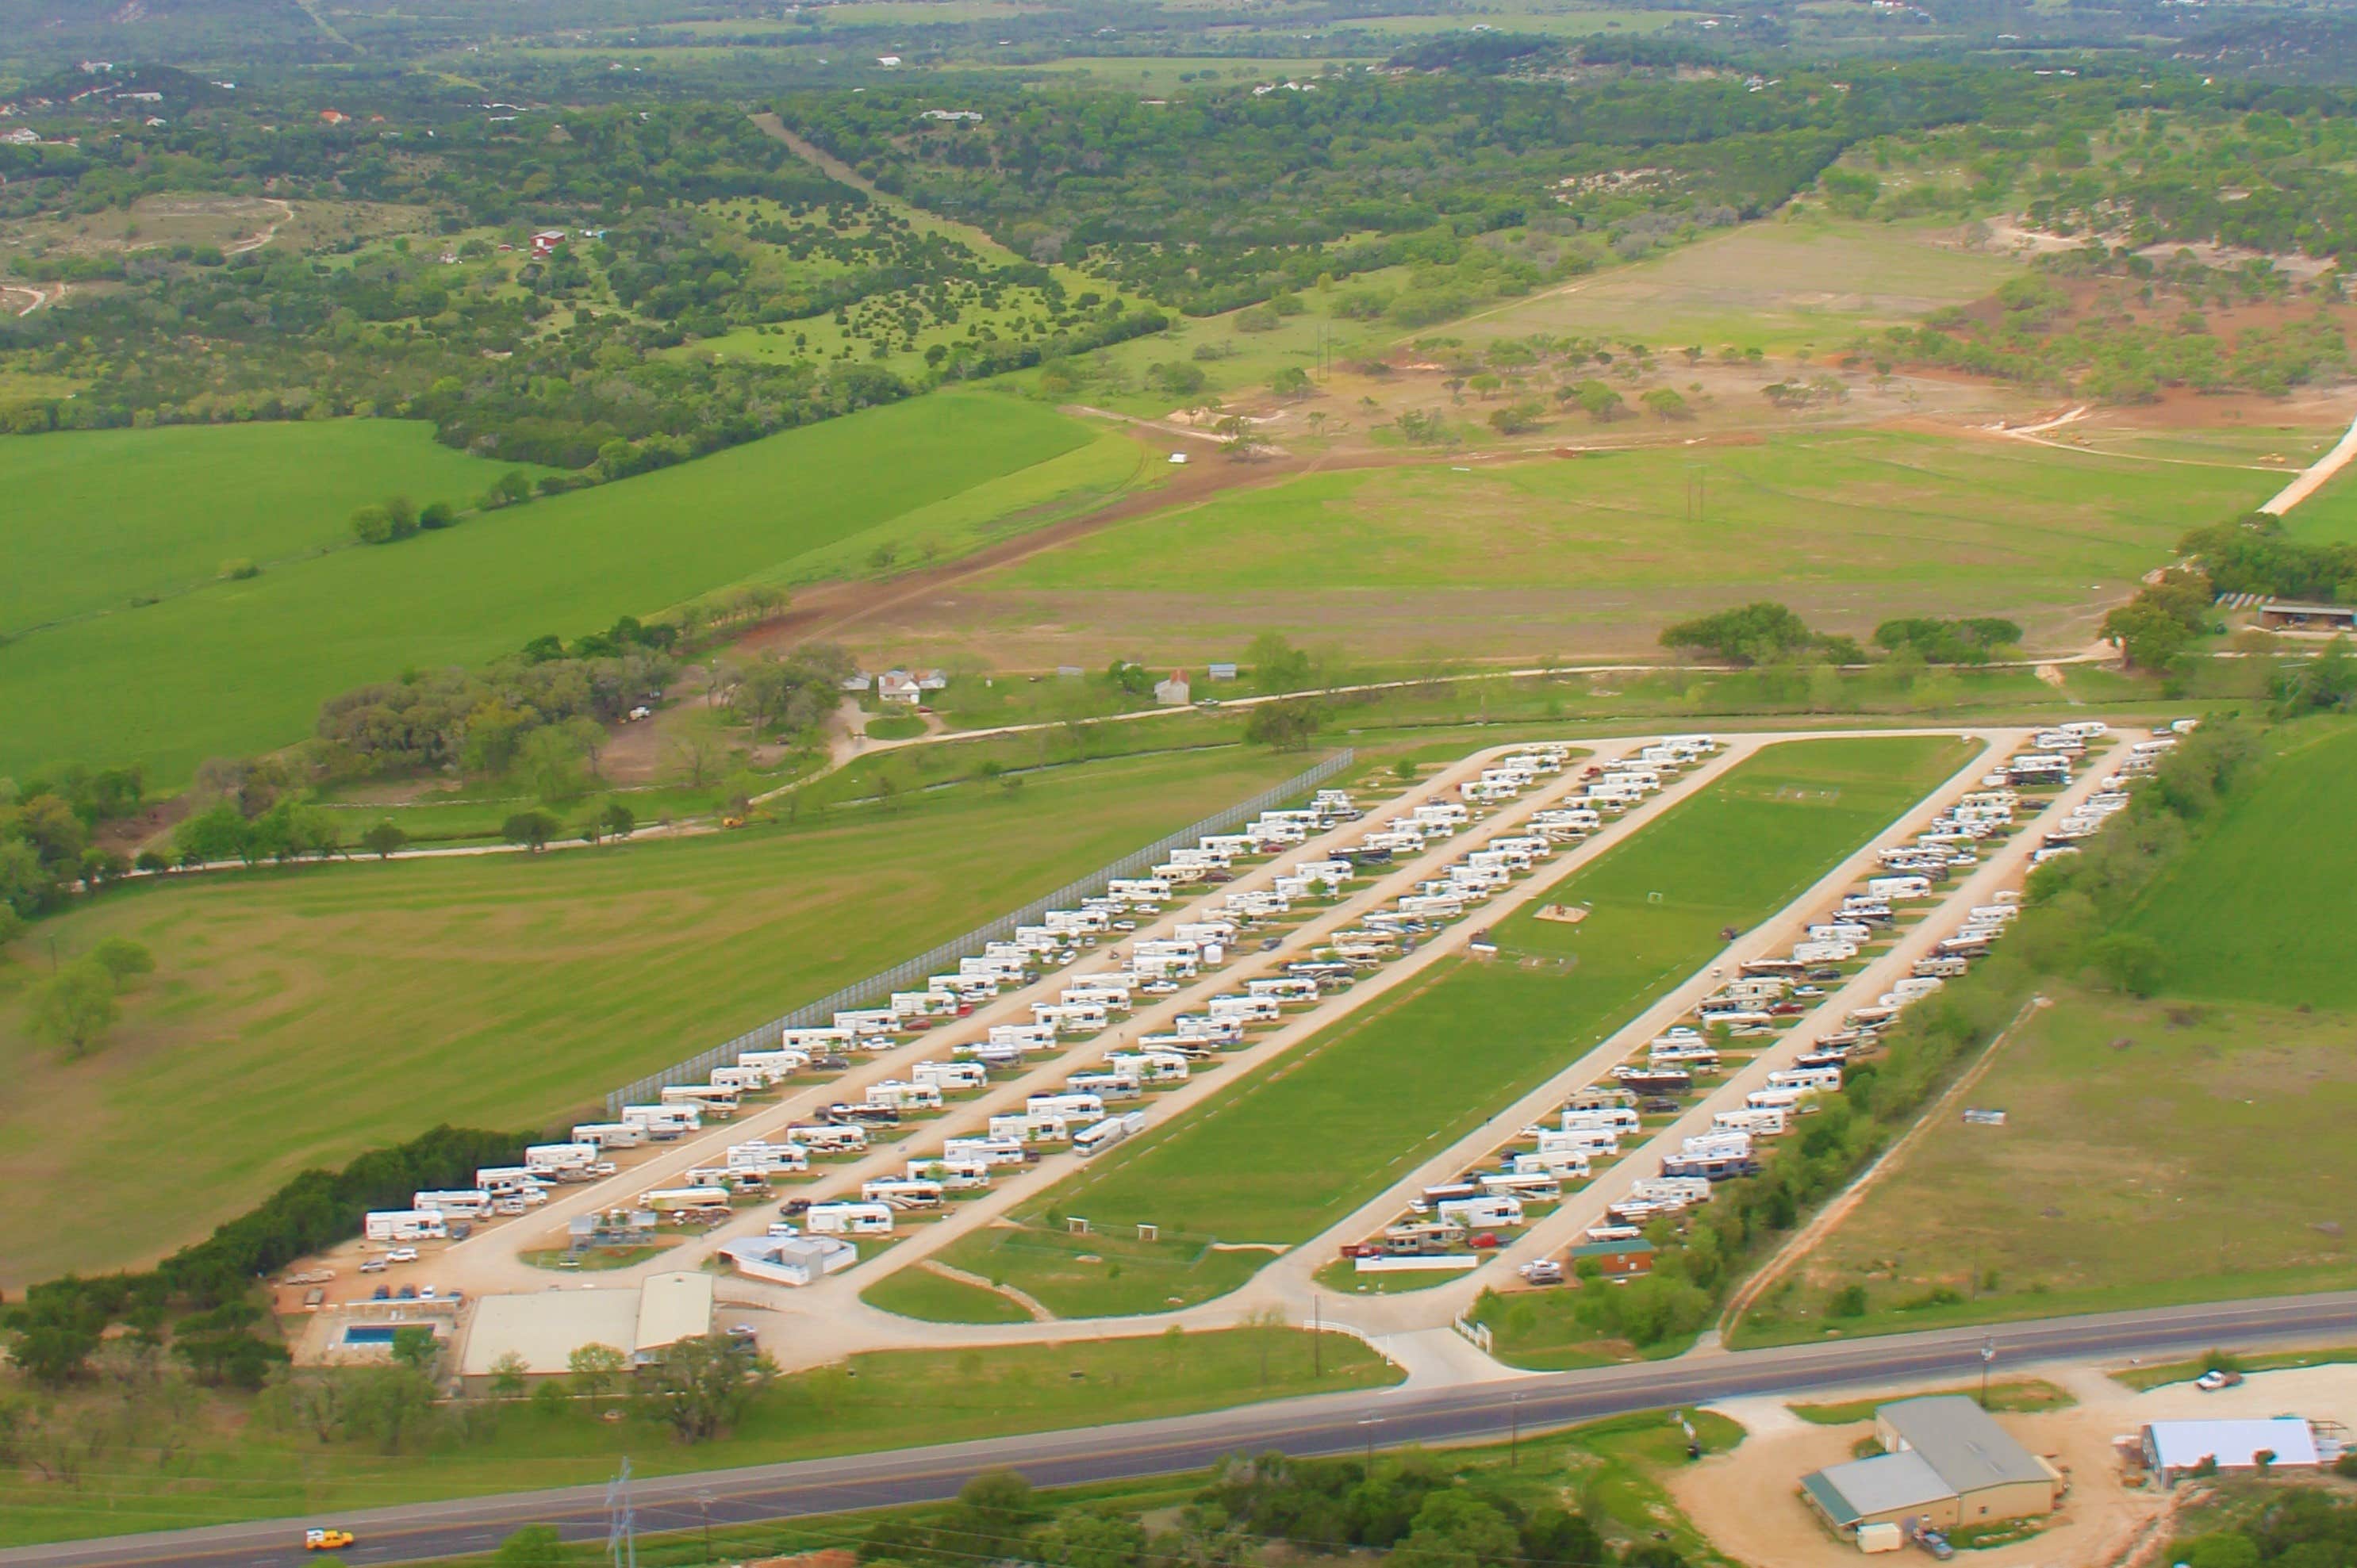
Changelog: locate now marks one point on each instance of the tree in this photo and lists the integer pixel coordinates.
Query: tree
(401, 516)
(415, 1347)
(620, 821)
(1287, 726)
(372, 525)
(1290, 383)
(508, 1375)
(1753, 634)
(699, 1386)
(549, 762)
(992, 1511)
(54, 1353)
(595, 1369)
(530, 829)
(1517, 418)
(122, 959)
(389, 1405)
(435, 514)
(533, 1546)
(1454, 1529)
(1667, 403)
(384, 839)
(2130, 961)
(530, 1546)
(75, 1008)
(1276, 665)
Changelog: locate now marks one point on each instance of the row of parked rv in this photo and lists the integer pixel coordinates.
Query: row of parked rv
(1467, 1214)
(1083, 1114)
(1766, 995)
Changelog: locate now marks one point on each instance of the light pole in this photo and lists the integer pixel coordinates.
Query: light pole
(1988, 1354)
(1368, 1425)
(703, 1501)
(1514, 1435)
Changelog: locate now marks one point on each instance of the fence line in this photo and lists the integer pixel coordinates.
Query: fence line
(698, 1069)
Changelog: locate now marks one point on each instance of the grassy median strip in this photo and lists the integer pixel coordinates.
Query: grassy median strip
(1270, 1163)
(249, 1469)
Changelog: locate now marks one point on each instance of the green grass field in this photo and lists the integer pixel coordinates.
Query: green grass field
(2254, 914)
(936, 1298)
(298, 1018)
(1593, 556)
(97, 517)
(2329, 516)
(1286, 1152)
(2192, 1147)
(241, 1470)
(240, 667)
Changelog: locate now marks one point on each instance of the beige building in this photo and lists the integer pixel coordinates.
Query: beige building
(1944, 1463)
(543, 1329)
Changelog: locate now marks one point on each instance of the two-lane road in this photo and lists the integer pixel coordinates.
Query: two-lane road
(1330, 1424)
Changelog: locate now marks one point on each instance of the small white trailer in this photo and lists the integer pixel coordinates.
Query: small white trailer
(1760, 1123)
(1096, 1139)
(901, 1193)
(558, 1158)
(1029, 1126)
(905, 1096)
(1899, 886)
(1105, 1086)
(1482, 1211)
(470, 1204)
(760, 1158)
(848, 1218)
(664, 1121)
(828, 1138)
(1069, 1106)
(403, 1225)
(705, 1098)
(950, 1076)
(610, 1134)
(991, 1151)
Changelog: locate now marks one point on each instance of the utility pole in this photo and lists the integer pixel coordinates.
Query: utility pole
(1514, 1435)
(621, 1528)
(1316, 1338)
(1988, 1354)
(1368, 1425)
(704, 1502)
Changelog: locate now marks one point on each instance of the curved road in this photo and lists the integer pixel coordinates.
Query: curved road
(1327, 1423)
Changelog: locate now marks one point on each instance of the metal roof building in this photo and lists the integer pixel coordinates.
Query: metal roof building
(2174, 1448)
(1944, 1463)
(543, 1328)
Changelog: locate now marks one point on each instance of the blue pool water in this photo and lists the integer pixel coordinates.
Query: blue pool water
(368, 1334)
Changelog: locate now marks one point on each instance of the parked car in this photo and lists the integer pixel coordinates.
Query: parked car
(1487, 1242)
(372, 1265)
(402, 1255)
(1543, 1272)
(1824, 974)
(2217, 1378)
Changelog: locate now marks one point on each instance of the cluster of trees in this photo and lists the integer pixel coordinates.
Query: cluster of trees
(1762, 632)
(2163, 619)
(1941, 641)
(1406, 1505)
(47, 843)
(538, 714)
(75, 1007)
(2297, 1528)
(2253, 554)
(198, 1302)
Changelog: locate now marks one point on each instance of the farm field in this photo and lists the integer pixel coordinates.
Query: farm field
(1805, 282)
(97, 517)
(240, 667)
(297, 1018)
(2183, 1148)
(875, 1402)
(2329, 516)
(1591, 557)
(1286, 1152)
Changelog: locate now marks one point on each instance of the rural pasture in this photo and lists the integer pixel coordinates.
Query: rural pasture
(1271, 1161)
(2182, 1148)
(1592, 556)
(98, 519)
(297, 1018)
(240, 667)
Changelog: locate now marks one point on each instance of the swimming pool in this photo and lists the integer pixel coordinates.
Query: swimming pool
(369, 1333)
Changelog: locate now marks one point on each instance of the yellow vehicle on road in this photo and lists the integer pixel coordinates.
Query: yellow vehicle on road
(324, 1540)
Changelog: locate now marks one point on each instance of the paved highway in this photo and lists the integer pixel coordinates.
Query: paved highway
(1330, 1424)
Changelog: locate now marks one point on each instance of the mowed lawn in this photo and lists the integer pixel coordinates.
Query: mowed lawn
(1593, 556)
(98, 518)
(298, 1018)
(2189, 1147)
(1291, 1151)
(242, 667)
